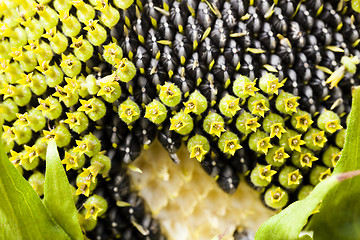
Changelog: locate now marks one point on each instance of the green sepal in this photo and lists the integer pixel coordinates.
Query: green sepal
(22, 213)
(339, 215)
(57, 194)
(288, 223)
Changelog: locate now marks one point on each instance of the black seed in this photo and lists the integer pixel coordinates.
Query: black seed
(302, 67)
(119, 186)
(254, 22)
(304, 18)
(130, 149)
(267, 37)
(156, 72)
(229, 15)
(228, 180)
(166, 29)
(141, 27)
(312, 49)
(219, 34)
(314, 5)
(193, 30)
(221, 70)
(322, 32)
(278, 21)
(232, 53)
(263, 6)
(288, 7)
(241, 162)
(151, 11)
(212, 163)
(116, 222)
(296, 35)
(142, 58)
(245, 40)
(239, 6)
(152, 225)
(339, 41)
(170, 140)
(260, 58)
(329, 60)
(307, 101)
(182, 47)
(335, 102)
(136, 210)
(248, 67)
(330, 16)
(151, 42)
(318, 84)
(186, 84)
(178, 14)
(169, 60)
(292, 83)
(116, 130)
(349, 29)
(285, 52)
(144, 91)
(194, 68)
(145, 131)
(204, 15)
(208, 51)
(210, 88)
(275, 61)
(130, 43)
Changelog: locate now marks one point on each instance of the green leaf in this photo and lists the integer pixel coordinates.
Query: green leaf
(339, 216)
(289, 222)
(22, 213)
(355, 4)
(57, 194)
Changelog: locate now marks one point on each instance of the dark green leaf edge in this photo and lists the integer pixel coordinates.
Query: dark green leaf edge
(57, 194)
(22, 213)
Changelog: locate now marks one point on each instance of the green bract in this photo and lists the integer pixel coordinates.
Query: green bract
(24, 216)
(57, 194)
